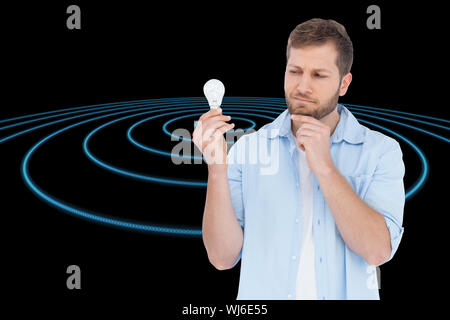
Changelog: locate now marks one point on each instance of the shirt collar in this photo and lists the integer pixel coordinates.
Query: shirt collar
(348, 128)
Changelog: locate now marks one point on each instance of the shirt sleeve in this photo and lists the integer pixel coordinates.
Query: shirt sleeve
(386, 193)
(234, 159)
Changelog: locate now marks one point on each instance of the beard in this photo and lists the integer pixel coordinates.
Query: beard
(306, 109)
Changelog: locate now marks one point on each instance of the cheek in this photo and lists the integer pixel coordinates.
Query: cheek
(326, 89)
(288, 83)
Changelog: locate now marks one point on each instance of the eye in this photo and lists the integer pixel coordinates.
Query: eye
(320, 76)
(293, 71)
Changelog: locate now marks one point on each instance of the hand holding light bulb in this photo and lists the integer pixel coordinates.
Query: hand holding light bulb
(208, 133)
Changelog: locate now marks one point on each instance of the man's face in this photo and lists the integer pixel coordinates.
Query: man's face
(312, 75)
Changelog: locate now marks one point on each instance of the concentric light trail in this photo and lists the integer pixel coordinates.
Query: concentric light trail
(267, 108)
(169, 154)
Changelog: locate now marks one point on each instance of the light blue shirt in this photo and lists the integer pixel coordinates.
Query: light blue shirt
(266, 199)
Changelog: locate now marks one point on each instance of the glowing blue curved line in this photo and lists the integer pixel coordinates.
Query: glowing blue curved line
(134, 175)
(94, 106)
(171, 135)
(134, 110)
(405, 125)
(412, 190)
(406, 118)
(169, 154)
(231, 98)
(282, 100)
(424, 174)
(93, 217)
(66, 113)
(396, 111)
(58, 121)
(164, 153)
(118, 104)
(109, 108)
(14, 135)
(97, 217)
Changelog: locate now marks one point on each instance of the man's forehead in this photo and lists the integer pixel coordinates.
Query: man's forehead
(314, 57)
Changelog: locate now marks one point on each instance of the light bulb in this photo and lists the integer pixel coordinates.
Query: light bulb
(214, 91)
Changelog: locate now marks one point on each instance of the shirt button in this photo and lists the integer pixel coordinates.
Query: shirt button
(320, 259)
(294, 257)
(318, 187)
(323, 298)
(318, 222)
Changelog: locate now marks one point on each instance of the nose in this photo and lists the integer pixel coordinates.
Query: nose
(304, 85)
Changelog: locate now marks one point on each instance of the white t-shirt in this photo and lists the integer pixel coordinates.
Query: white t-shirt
(306, 276)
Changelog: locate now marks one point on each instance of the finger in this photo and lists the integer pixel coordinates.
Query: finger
(310, 126)
(212, 122)
(198, 134)
(202, 124)
(216, 118)
(306, 132)
(218, 133)
(306, 119)
(221, 130)
(209, 129)
(298, 117)
(210, 113)
(306, 135)
(204, 120)
(304, 140)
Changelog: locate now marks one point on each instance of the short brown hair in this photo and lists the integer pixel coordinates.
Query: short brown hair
(319, 31)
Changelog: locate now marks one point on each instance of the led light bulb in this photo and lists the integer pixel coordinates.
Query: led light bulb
(214, 91)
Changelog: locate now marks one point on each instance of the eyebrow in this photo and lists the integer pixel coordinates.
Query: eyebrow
(316, 70)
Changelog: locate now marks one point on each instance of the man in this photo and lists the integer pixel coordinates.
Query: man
(316, 227)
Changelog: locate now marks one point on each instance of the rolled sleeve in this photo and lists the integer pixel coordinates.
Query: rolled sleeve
(386, 193)
(235, 182)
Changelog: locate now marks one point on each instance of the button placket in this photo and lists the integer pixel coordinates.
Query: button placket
(294, 255)
(321, 286)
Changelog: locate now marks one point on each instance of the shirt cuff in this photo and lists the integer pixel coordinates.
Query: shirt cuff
(237, 260)
(395, 233)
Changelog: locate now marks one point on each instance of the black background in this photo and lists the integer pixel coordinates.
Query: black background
(128, 51)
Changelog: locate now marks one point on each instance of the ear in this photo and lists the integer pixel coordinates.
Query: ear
(346, 80)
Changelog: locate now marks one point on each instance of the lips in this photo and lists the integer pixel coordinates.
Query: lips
(302, 100)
